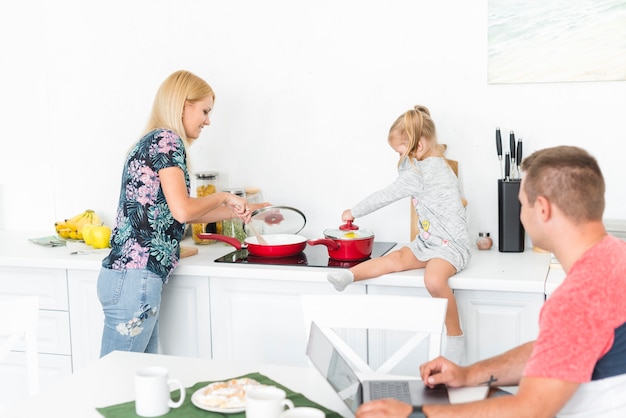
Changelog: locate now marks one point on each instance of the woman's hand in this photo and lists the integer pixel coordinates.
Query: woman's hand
(257, 206)
(238, 205)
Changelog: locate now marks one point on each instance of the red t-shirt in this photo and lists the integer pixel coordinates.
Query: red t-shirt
(583, 324)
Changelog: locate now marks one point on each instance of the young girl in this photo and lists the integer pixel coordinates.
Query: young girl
(442, 246)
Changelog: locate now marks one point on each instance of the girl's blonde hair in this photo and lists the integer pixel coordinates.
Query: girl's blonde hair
(416, 124)
(167, 109)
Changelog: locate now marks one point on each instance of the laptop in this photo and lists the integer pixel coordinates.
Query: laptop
(354, 390)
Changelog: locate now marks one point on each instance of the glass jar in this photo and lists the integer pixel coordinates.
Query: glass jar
(484, 241)
(254, 195)
(206, 184)
(234, 227)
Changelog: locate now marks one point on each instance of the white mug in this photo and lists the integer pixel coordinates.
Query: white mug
(266, 402)
(152, 392)
(303, 412)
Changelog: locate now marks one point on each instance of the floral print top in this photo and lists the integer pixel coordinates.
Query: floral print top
(146, 235)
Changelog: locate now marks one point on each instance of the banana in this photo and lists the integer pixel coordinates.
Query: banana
(73, 227)
(58, 226)
(77, 217)
(95, 219)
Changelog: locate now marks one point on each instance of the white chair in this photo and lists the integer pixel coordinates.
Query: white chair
(18, 321)
(424, 317)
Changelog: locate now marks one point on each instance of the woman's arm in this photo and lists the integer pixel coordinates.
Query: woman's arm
(187, 209)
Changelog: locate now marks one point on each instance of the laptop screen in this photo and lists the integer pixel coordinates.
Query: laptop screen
(334, 368)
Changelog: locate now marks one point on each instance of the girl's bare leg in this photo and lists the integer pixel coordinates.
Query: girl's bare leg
(436, 276)
(400, 260)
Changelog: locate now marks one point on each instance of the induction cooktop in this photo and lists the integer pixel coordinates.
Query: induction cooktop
(312, 256)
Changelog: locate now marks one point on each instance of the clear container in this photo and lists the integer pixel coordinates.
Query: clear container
(254, 195)
(234, 227)
(206, 184)
(484, 241)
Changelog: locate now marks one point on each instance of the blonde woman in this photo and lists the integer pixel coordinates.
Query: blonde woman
(154, 206)
(442, 247)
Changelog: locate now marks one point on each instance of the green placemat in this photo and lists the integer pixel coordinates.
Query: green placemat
(188, 410)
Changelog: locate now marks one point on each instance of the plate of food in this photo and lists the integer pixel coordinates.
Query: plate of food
(227, 397)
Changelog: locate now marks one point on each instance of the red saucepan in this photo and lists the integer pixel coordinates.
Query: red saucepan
(348, 243)
(278, 225)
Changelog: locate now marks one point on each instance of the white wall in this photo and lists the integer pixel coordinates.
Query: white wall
(306, 91)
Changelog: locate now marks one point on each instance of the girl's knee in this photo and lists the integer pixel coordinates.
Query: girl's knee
(437, 287)
(437, 284)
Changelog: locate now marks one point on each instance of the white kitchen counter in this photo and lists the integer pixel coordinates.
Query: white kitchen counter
(556, 276)
(250, 311)
(488, 270)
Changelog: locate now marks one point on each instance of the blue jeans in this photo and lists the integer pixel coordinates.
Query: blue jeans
(131, 301)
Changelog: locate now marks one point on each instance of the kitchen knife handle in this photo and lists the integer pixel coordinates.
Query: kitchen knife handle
(507, 166)
(519, 152)
(512, 145)
(498, 143)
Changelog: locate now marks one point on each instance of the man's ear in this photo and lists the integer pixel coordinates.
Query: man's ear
(543, 208)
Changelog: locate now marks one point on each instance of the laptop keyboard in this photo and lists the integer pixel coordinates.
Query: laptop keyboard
(390, 389)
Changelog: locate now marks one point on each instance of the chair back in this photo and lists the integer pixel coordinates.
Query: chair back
(423, 316)
(18, 323)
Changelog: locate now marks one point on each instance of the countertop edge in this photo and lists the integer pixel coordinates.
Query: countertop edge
(487, 270)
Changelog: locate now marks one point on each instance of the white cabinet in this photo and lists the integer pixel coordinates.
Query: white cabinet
(53, 331)
(87, 318)
(184, 321)
(494, 322)
(257, 320)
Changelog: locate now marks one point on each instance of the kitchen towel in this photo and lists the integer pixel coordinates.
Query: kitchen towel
(188, 410)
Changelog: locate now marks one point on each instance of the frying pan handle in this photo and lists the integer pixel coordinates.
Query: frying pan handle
(218, 237)
(331, 244)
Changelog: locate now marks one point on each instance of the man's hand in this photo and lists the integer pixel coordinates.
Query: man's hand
(442, 370)
(384, 408)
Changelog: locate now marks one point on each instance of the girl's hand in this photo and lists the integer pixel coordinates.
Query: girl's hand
(347, 215)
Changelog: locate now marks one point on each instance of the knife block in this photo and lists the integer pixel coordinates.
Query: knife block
(510, 229)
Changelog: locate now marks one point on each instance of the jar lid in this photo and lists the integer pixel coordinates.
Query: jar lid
(206, 175)
(239, 191)
(276, 220)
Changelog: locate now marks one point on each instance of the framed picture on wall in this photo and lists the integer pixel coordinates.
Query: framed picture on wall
(556, 41)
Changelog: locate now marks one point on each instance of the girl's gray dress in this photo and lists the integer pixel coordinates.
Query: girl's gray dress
(436, 195)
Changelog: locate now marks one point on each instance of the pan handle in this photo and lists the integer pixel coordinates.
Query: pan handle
(330, 243)
(218, 237)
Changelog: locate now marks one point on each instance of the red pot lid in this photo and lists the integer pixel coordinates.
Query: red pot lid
(276, 220)
(348, 234)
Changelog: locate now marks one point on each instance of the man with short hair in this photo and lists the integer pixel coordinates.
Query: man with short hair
(577, 365)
